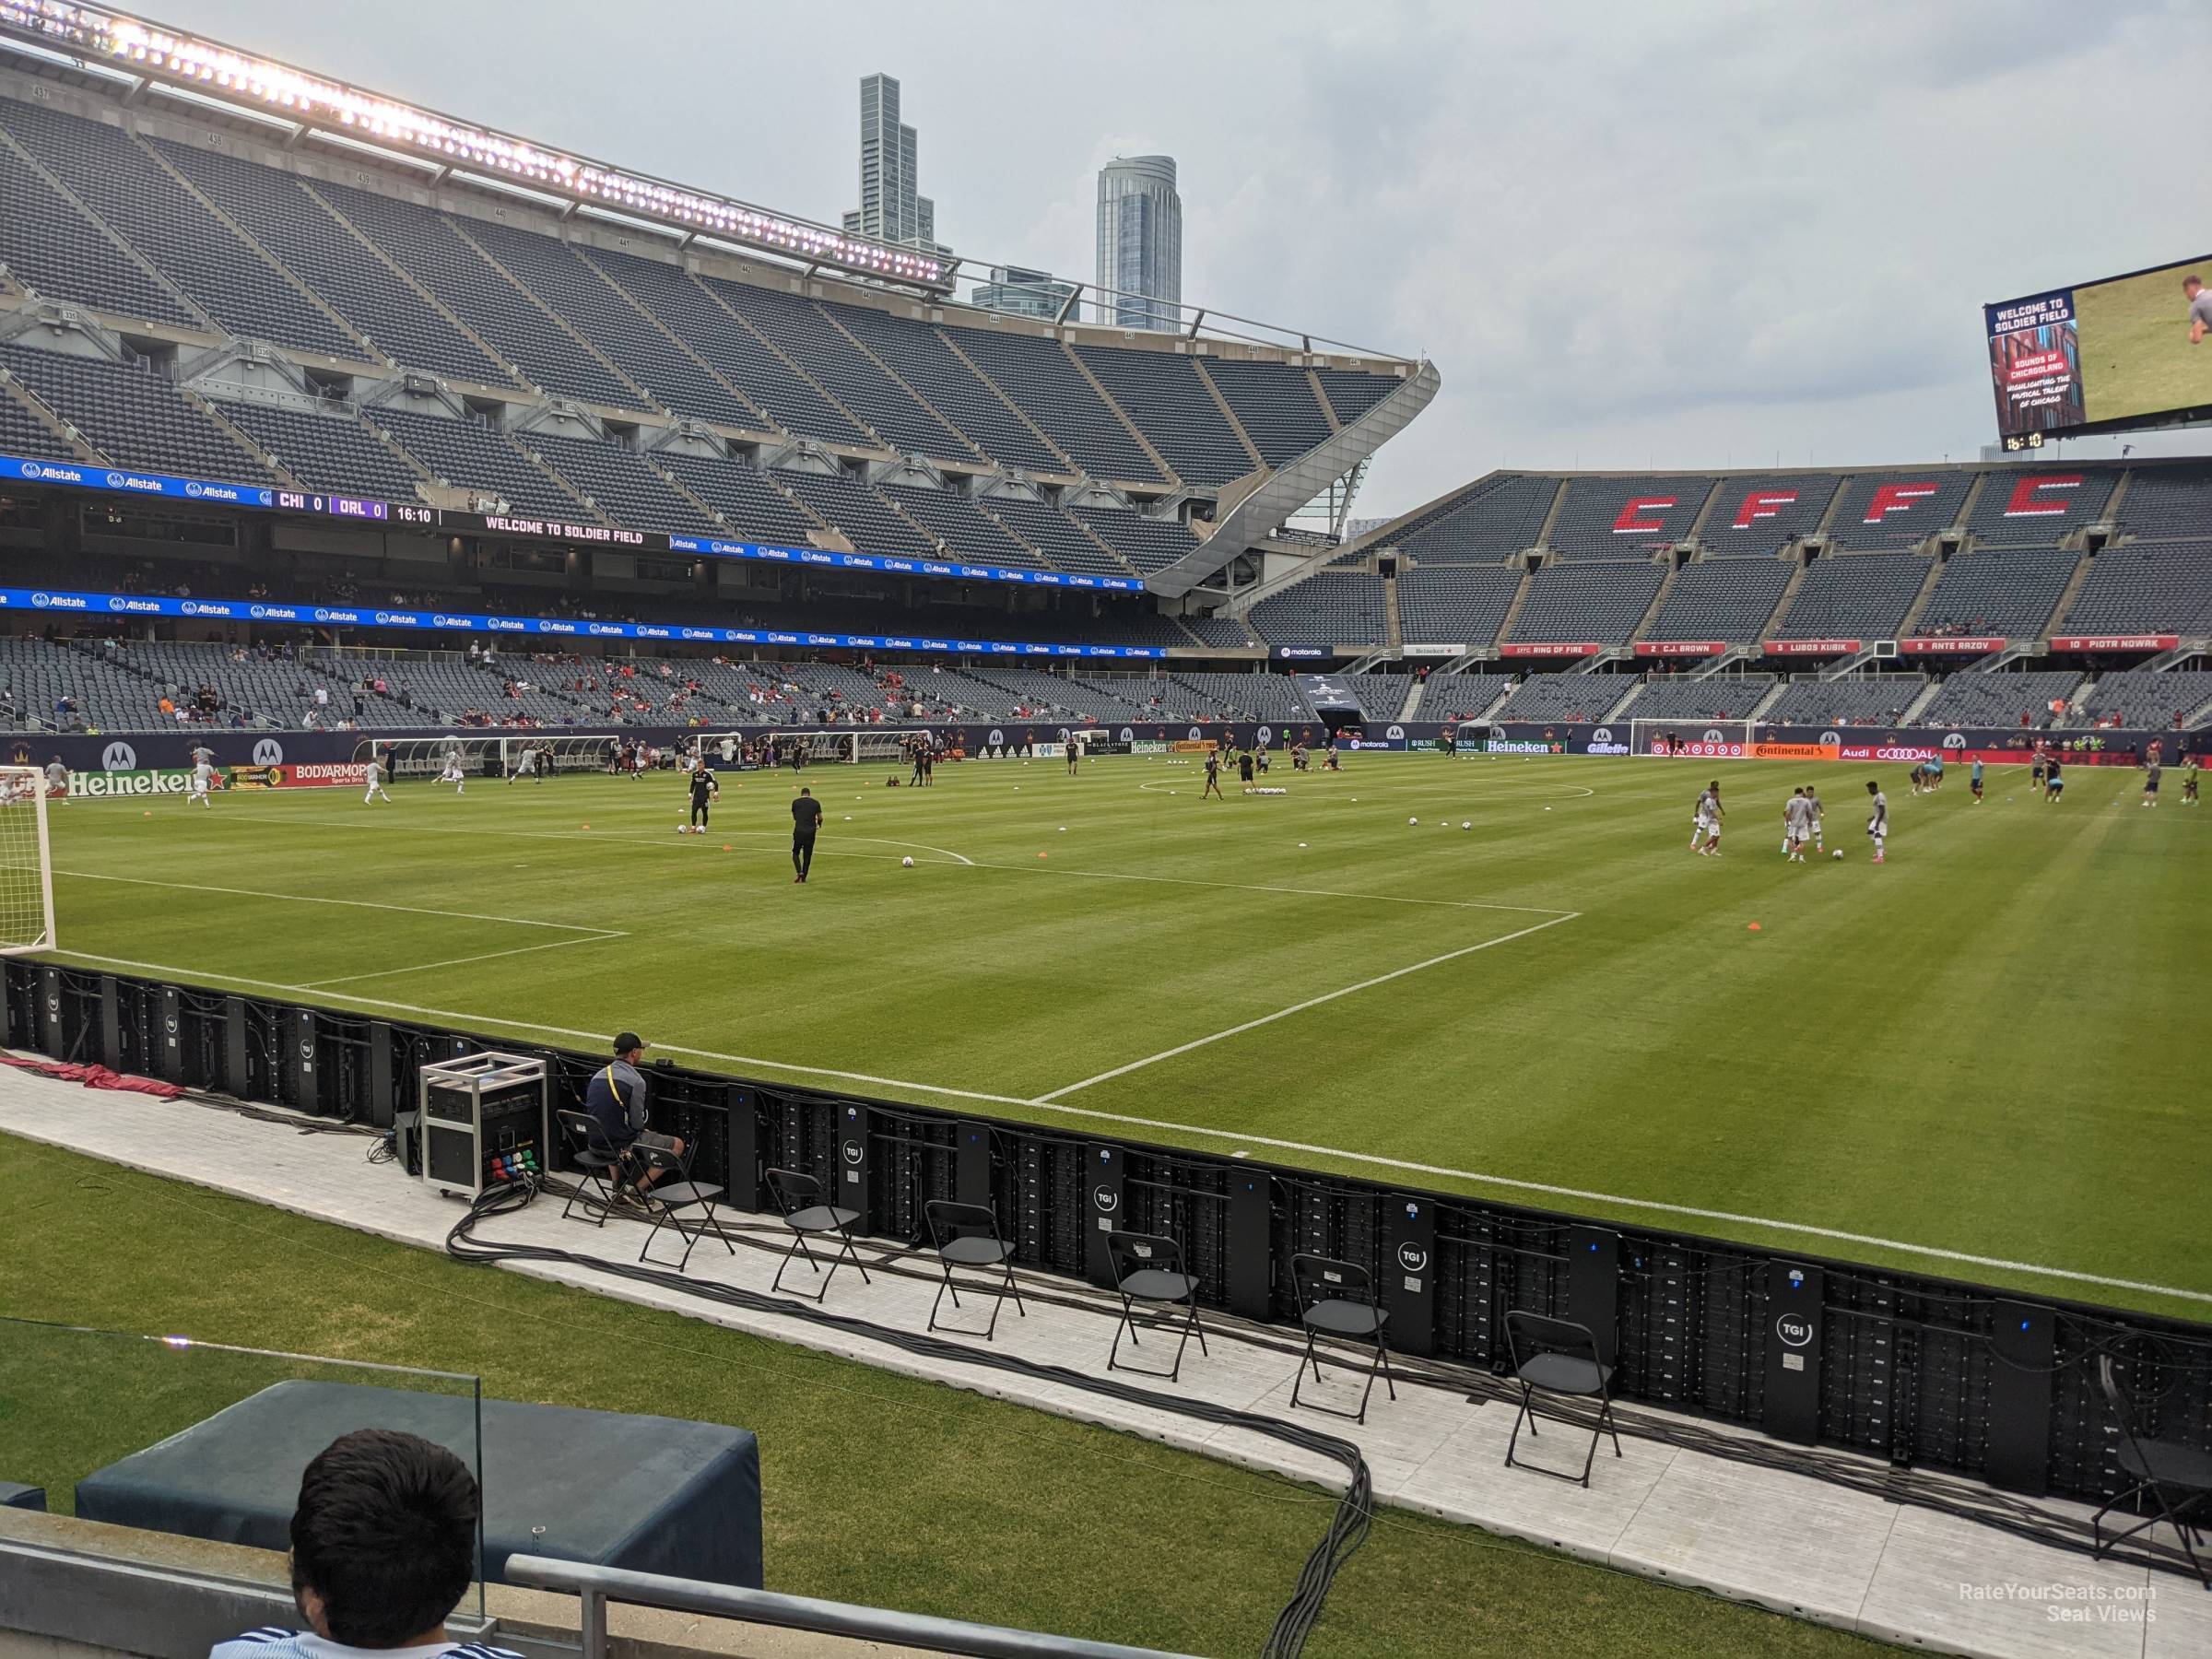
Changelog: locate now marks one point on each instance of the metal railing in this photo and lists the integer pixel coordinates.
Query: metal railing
(600, 1587)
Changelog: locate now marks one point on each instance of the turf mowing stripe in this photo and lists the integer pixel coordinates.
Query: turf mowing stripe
(1311, 1002)
(487, 956)
(1275, 1143)
(413, 910)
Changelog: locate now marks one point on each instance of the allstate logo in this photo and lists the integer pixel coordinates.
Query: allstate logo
(257, 611)
(192, 607)
(118, 756)
(265, 497)
(30, 469)
(1716, 736)
(1954, 740)
(322, 615)
(193, 490)
(116, 604)
(41, 601)
(997, 738)
(268, 752)
(115, 480)
(1602, 734)
(1836, 737)
(1396, 731)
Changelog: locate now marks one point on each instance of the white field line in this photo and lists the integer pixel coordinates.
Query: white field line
(412, 910)
(1311, 1002)
(1371, 1159)
(1244, 887)
(484, 956)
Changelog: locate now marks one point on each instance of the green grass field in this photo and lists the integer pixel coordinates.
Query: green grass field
(1987, 1047)
(2135, 356)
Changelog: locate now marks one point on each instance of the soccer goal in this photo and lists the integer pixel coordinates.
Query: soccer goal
(558, 751)
(489, 754)
(846, 748)
(1691, 739)
(26, 863)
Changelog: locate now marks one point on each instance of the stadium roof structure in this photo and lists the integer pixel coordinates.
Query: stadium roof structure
(171, 74)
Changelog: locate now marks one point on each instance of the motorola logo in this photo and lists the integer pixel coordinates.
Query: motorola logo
(1105, 1200)
(1602, 734)
(1827, 737)
(997, 738)
(1716, 736)
(1264, 736)
(1954, 740)
(1396, 731)
(1413, 1258)
(1193, 734)
(1063, 734)
(268, 752)
(1795, 1330)
(1128, 736)
(118, 756)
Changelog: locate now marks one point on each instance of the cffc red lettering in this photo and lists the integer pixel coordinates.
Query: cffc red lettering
(1896, 497)
(2027, 500)
(1632, 519)
(1760, 504)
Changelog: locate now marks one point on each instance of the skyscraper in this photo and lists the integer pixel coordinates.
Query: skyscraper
(1140, 243)
(1025, 293)
(890, 210)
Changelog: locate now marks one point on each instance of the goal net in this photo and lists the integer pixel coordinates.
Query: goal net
(491, 755)
(1691, 739)
(26, 863)
(727, 748)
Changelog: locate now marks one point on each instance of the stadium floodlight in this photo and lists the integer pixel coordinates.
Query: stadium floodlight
(211, 69)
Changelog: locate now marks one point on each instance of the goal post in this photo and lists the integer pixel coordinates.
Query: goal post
(845, 747)
(26, 862)
(487, 754)
(1691, 739)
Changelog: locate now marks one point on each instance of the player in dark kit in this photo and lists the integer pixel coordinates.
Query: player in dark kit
(704, 789)
(805, 819)
(1212, 776)
(1075, 753)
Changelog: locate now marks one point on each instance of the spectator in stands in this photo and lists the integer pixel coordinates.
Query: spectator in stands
(383, 1548)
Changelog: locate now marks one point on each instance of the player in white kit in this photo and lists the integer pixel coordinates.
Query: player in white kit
(1877, 819)
(452, 773)
(1812, 816)
(1797, 827)
(57, 781)
(373, 774)
(203, 779)
(1706, 825)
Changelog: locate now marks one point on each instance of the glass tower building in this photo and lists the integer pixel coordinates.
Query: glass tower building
(1140, 243)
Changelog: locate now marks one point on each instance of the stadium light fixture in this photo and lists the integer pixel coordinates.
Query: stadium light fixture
(174, 57)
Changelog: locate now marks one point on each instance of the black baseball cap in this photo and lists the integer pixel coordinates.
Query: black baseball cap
(627, 1040)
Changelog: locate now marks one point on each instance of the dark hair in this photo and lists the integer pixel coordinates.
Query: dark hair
(386, 1535)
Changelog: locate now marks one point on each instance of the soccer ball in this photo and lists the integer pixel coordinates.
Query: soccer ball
(1413, 821)
(1466, 825)
(1837, 853)
(908, 864)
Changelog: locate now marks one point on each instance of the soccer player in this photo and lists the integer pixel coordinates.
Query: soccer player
(2055, 781)
(373, 774)
(1707, 824)
(2036, 771)
(805, 820)
(1263, 759)
(705, 790)
(1212, 776)
(2200, 308)
(2189, 779)
(1973, 780)
(452, 773)
(1878, 820)
(1793, 828)
(915, 750)
(1919, 775)
(1244, 766)
(57, 781)
(1935, 774)
(525, 765)
(203, 778)
(1813, 811)
(2150, 781)
(1075, 753)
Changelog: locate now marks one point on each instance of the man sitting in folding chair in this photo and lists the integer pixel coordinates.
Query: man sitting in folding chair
(616, 1098)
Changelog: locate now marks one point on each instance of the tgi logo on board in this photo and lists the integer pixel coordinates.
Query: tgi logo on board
(1795, 1330)
(1413, 1258)
(1105, 1200)
(118, 756)
(268, 752)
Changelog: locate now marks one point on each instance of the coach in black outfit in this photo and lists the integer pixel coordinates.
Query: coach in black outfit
(805, 819)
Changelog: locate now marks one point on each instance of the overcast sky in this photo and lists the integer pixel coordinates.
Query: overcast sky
(1684, 234)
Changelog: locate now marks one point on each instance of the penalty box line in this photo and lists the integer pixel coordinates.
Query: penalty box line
(1240, 1138)
(1311, 1002)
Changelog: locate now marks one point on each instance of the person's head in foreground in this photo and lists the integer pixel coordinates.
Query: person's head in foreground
(385, 1539)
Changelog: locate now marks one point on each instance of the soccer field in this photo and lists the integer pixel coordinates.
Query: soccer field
(1978, 1059)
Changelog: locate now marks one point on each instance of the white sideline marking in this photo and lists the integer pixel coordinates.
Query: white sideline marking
(413, 910)
(1311, 1002)
(1243, 887)
(873, 839)
(1372, 1159)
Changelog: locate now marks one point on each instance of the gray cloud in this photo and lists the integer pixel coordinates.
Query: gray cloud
(1687, 235)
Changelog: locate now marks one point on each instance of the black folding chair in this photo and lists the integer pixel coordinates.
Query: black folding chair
(593, 1160)
(666, 1200)
(967, 1235)
(1336, 1300)
(1558, 1357)
(2162, 1470)
(1148, 1267)
(799, 1199)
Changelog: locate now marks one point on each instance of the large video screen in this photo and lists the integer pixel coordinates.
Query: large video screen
(2105, 354)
